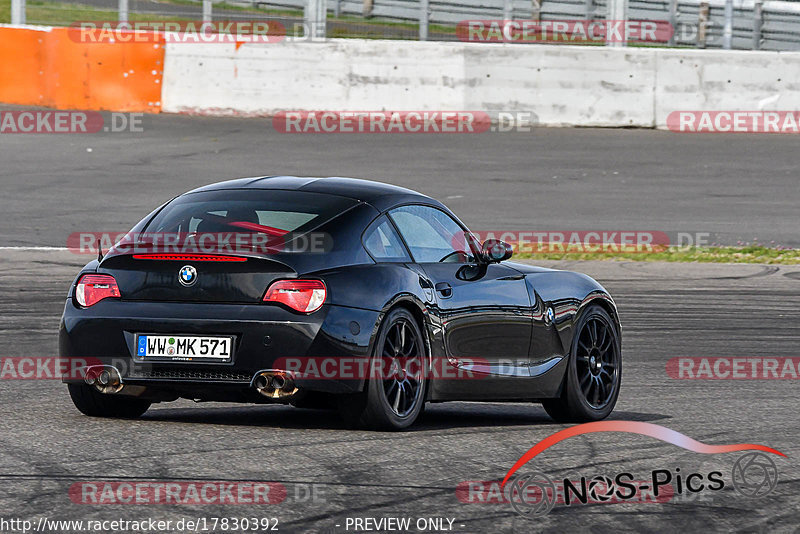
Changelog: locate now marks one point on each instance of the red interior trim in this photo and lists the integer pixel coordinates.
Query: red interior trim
(270, 230)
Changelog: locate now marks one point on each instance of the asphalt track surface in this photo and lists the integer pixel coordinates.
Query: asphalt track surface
(52, 186)
(667, 311)
(739, 187)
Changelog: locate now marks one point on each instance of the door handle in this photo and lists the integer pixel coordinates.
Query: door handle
(445, 289)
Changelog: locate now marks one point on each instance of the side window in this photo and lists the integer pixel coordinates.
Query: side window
(432, 235)
(383, 243)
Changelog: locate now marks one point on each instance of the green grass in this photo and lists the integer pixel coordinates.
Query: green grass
(232, 7)
(298, 13)
(345, 26)
(63, 14)
(745, 254)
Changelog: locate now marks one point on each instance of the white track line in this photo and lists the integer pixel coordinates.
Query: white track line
(32, 249)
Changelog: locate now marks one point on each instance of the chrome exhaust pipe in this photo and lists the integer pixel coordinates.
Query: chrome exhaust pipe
(274, 384)
(278, 382)
(104, 378)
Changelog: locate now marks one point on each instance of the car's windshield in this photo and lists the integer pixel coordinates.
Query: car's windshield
(269, 212)
(241, 220)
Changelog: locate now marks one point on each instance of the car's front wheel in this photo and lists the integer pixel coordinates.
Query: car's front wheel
(395, 391)
(592, 381)
(91, 402)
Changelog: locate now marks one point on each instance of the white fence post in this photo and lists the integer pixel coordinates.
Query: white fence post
(423, 19)
(702, 23)
(618, 13)
(673, 21)
(508, 9)
(206, 10)
(17, 11)
(727, 32)
(322, 18)
(315, 16)
(122, 11)
(758, 21)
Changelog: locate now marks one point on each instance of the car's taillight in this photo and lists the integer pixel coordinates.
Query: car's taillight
(302, 295)
(92, 288)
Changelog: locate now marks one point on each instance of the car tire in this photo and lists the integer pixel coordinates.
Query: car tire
(91, 402)
(594, 371)
(387, 402)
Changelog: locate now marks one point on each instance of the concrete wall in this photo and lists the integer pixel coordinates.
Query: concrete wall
(720, 80)
(563, 85)
(341, 74)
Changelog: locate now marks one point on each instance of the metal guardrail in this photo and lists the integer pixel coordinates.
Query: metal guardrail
(771, 25)
(446, 12)
(767, 25)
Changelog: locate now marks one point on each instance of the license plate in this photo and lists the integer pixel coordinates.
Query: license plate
(184, 348)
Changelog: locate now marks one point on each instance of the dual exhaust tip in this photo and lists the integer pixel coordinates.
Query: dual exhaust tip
(104, 378)
(274, 384)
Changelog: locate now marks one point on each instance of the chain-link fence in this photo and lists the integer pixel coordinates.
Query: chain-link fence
(751, 24)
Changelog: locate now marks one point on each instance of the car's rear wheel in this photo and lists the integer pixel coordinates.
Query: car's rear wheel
(594, 373)
(91, 402)
(395, 394)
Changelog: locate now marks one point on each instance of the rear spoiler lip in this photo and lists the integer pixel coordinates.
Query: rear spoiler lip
(241, 256)
(192, 257)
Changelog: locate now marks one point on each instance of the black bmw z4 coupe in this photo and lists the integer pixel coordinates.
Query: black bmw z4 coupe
(331, 292)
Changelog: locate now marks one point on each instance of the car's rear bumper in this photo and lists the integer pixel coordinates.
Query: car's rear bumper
(264, 335)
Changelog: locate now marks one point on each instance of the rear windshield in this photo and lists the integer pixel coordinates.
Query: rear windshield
(258, 211)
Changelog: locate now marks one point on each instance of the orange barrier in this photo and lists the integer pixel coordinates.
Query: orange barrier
(52, 68)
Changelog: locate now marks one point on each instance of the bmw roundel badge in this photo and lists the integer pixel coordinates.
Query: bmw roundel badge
(187, 275)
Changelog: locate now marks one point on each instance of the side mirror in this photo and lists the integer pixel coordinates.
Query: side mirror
(495, 251)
